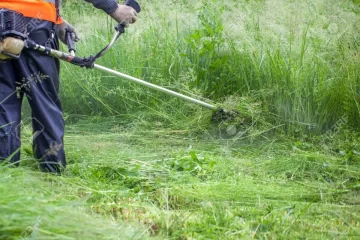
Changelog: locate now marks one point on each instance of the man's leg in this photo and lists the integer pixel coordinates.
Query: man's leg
(10, 114)
(42, 75)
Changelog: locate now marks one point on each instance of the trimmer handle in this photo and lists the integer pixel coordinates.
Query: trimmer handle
(70, 43)
(120, 28)
(135, 5)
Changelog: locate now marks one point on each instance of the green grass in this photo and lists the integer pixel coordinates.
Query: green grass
(298, 59)
(124, 182)
(143, 165)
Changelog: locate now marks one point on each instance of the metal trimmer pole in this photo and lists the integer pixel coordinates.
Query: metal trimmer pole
(78, 61)
(153, 86)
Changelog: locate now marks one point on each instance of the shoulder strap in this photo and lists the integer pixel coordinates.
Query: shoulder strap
(57, 6)
(57, 3)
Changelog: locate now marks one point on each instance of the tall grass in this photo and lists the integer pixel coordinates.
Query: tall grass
(299, 59)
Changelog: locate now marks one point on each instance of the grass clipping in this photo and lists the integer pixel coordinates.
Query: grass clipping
(43, 214)
(244, 117)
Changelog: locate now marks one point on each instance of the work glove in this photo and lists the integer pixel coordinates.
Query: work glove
(63, 28)
(125, 15)
(10, 48)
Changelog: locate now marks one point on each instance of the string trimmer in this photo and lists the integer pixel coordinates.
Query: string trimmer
(89, 62)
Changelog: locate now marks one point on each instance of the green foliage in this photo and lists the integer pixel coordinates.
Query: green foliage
(303, 71)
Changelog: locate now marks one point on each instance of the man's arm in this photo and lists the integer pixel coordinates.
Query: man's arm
(109, 6)
(121, 13)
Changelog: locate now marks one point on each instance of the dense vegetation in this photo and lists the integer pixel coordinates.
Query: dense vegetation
(144, 165)
(298, 59)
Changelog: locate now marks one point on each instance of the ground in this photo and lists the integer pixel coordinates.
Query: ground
(171, 184)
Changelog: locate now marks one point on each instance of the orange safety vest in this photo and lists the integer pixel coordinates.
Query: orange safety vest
(41, 9)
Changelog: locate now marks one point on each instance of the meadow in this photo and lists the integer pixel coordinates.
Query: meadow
(144, 165)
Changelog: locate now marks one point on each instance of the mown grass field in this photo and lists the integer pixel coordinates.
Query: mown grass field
(125, 183)
(142, 165)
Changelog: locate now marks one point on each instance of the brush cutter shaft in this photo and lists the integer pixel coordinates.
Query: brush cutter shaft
(153, 86)
(29, 44)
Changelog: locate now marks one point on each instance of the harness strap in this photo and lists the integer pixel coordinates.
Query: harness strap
(57, 7)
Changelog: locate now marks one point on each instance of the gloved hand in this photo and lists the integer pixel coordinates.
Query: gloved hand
(65, 26)
(125, 15)
(10, 48)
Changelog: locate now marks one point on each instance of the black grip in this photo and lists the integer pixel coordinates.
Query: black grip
(70, 41)
(134, 4)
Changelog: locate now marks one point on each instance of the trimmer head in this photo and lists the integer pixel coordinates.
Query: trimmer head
(221, 115)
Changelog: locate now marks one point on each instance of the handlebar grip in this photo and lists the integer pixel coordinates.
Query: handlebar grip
(134, 4)
(69, 41)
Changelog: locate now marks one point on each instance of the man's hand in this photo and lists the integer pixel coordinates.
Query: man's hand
(125, 15)
(67, 27)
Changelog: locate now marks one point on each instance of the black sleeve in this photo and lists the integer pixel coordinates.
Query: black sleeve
(109, 6)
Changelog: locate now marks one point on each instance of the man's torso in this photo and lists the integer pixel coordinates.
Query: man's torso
(40, 9)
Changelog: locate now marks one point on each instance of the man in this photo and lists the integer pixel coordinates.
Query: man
(37, 76)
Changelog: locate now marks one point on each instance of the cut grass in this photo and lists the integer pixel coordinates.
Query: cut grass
(40, 206)
(164, 183)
